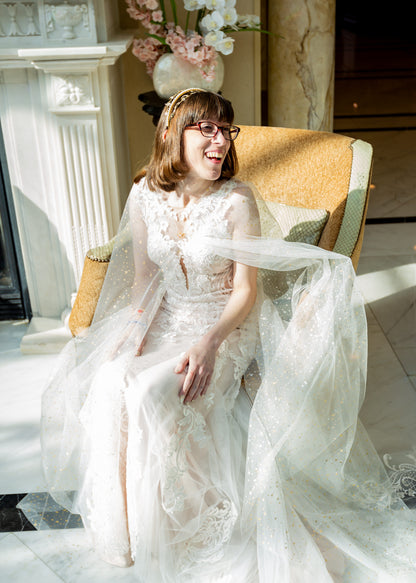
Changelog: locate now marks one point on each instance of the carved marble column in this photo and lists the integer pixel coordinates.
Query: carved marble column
(301, 63)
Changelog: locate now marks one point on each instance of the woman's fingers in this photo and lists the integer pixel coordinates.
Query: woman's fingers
(140, 349)
(197, 388)
(205, 388)
(182, 364)
(197, 364)
(189, 381)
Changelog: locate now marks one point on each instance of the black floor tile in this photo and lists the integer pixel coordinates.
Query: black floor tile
(12, 519)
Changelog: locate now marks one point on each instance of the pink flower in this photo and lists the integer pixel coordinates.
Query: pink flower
(157, 16)
(191, 46)
(132, 9)
(151, 28)
(148, 51)
(152, 4)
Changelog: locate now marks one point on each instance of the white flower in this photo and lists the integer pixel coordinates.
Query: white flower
(213, 38)
(215, 4)
(194, 4)
(230, 3)
(249, 21)
(230, 16)
(213, 21)
(225, 46)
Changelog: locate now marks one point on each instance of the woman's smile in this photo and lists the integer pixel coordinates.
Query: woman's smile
(215, 156)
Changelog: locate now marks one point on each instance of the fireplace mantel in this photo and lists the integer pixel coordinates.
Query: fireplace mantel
(62, 113)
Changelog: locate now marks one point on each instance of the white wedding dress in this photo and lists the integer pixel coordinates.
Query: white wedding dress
(272, 481)
(168, 483)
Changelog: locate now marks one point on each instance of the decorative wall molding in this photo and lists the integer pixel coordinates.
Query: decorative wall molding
(72, 90)
(58, 60)
(68, 17)
(84, 188)
(55, 22)
(19, 19)
(62, 110)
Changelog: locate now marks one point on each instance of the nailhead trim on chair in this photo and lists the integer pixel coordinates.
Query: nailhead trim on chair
(102, 253)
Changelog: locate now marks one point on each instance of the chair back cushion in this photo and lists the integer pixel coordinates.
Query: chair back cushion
(301, 168)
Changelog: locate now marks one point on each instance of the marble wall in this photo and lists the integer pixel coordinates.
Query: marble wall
(301, 63)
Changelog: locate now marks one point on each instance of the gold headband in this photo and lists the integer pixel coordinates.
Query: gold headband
(175, 101)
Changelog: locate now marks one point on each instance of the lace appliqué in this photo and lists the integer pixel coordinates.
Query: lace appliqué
(192, 425)
(403, 475)
(208, 542)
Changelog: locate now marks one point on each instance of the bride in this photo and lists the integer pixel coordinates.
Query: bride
(206, 425)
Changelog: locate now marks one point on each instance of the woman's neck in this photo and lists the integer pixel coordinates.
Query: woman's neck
(191, 188)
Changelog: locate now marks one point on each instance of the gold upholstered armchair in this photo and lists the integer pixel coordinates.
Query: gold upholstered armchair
(316, 184)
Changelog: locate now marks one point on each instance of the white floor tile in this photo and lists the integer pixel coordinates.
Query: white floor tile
(389, 409)
(19, 564)
(388, 285)
(11, 333)
(68, 554)
(390, 239)
(407, 357)
(23, 380)
(394, 173)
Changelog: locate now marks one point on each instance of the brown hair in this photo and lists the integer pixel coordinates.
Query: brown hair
(167, 166)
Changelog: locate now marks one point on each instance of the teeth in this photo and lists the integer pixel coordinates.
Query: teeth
(214, 155)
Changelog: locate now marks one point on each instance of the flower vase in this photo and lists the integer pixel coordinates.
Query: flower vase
(172, 74)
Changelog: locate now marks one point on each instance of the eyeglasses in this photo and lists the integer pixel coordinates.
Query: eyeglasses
(209, 129)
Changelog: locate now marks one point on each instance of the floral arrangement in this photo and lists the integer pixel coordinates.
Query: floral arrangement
(199, 45)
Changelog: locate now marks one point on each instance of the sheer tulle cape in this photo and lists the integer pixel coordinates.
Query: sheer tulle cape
(315, 488)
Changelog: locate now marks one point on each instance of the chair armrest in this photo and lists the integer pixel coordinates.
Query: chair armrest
(349, 240)
(92, 279)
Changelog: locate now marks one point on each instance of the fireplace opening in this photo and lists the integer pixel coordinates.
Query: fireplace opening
(14, 297)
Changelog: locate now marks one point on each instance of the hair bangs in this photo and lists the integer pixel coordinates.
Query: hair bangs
(207, 106)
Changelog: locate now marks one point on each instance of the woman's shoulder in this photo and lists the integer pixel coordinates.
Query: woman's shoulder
(142, 194)
(139, 187)
(242, 193)
(239, 191)
(244, 212)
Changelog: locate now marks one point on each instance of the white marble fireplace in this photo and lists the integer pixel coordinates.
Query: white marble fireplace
(63, 120)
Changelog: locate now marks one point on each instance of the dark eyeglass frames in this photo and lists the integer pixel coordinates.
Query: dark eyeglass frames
(209, 129)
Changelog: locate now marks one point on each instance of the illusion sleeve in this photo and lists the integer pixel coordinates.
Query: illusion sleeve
(132, 279)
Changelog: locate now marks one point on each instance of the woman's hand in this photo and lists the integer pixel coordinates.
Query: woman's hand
(198, 363)
(141, 346)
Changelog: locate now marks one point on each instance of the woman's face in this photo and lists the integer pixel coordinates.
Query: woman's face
(205, 156)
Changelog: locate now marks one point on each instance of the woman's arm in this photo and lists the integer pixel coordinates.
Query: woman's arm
(200, 358)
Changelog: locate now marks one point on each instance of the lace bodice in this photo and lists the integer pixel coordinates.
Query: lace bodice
(198, 282)
(174, 240)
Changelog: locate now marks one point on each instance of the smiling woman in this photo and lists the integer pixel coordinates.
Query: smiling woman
(176, 462)
(204, 155)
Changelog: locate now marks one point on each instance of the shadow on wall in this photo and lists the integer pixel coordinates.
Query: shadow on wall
(49, 272)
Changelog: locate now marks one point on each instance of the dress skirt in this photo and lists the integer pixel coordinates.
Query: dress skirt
(164, 481)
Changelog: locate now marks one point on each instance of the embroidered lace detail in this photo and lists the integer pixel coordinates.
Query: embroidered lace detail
(208, 542)
(402, 475)
(192, 425)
